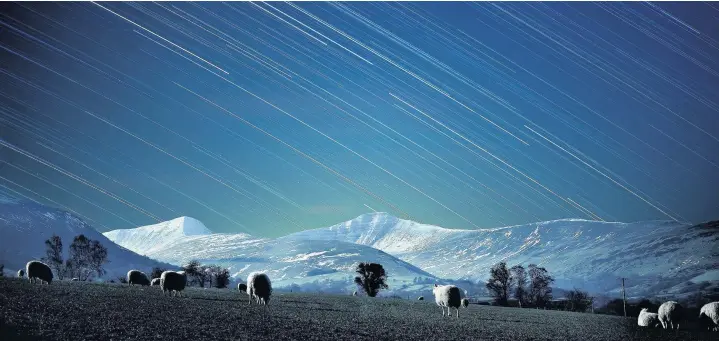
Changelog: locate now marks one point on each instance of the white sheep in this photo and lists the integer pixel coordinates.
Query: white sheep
(259, 288)
(465, 302)
(75, 279)
(137, 277)
(447, 296)
(173, 282)
(155, 282)
(670, 314)
(647, 319)
(37, 270)
(20, 273)
(421, 298)
(710, 313)
(354, 293)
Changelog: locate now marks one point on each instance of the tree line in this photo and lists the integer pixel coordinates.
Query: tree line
(529, 286)
(210, 274)
(87, 257)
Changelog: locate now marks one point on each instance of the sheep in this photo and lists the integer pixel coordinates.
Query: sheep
(647, 319)
(259, 287)
(20, 273)
(421, 298)
(75, 279)
(173, 282)
(242, 287)
(465, 303)
(354, 293)
(710, 315)
(155, 282)
(670, 314)
(447, 296)
(37, 270)
(137, 277)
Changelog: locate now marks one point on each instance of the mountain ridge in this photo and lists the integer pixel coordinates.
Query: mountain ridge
(579, 253)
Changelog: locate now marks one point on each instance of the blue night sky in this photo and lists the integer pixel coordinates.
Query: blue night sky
(270, 118)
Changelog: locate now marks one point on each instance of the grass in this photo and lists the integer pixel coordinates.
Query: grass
(86, 311)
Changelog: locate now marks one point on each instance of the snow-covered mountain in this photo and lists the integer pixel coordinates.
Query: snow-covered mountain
(25, 225)
(326, 265)
(653, 256)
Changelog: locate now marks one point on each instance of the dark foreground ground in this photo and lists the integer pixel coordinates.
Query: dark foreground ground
(84, 311)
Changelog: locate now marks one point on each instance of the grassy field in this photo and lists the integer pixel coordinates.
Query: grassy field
(85, 311)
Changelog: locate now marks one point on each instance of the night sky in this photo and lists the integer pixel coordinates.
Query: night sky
(270, 118)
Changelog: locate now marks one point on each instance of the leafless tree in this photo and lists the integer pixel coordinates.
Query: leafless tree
(53, 256)
(500, 283)
(519, 277)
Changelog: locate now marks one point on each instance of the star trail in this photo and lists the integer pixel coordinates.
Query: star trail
(270, 118)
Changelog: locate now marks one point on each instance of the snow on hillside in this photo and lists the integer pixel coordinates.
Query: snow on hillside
(579, 253)
(309, 265)
(24, 227)
(148, 239)
(656, 257)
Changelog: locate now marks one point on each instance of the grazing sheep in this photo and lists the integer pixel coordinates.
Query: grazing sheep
(259, 288)
(465, 303)
(710, 314)
(447, 296)
(21, 273)
(421, 298)
(155, 282)
(242, 287)
(37, 270)
(647, 319)
(137, 277)
(75, 279)
(354, 293)
(173, 282)
(670, 314)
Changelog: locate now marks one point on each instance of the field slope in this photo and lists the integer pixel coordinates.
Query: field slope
(87, 311)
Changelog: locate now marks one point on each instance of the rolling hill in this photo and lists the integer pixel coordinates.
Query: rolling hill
(24, 227)
(654, 256)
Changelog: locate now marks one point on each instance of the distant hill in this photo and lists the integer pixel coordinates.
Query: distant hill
(312, 265)
(656, 256)
(24, 227)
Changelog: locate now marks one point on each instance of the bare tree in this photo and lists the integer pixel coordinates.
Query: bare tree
(193, 269)
(578, 300)
(519, 277)
(222, 278)
(80, 257)
(540, 292)
(87, 256)
(97, 257)
(53, 256)
(500, 283)
(372, 278)
(204, 275)
(213, 271)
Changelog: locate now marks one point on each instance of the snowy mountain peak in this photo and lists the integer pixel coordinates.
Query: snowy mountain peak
(379, 230)
(188, 226)
(147, 239)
